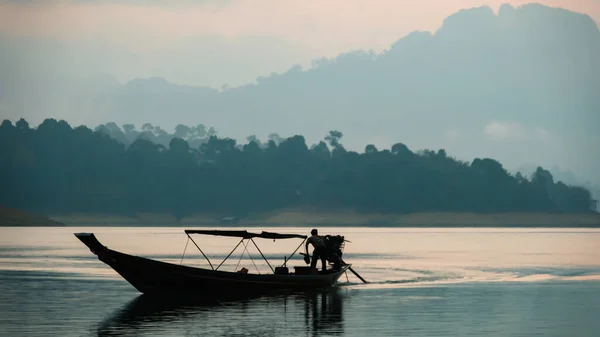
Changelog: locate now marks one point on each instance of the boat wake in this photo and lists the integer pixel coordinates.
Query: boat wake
(416, 280)
(537, 274)
(404, 277)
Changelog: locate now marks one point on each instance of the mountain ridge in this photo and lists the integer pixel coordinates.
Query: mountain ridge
(528, 69)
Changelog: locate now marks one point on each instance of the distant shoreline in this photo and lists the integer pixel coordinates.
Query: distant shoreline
(315, 226)
(329, 218)
(13, 217)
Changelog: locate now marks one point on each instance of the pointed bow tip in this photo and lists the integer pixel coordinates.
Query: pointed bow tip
(81, 235)
(90, 240)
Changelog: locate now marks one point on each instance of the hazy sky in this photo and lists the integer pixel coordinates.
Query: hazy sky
(213, 42)
(217, 42)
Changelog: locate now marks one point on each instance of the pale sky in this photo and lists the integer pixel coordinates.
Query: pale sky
(212, 42)
(292, 32)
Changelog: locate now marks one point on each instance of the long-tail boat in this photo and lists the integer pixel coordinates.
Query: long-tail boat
(150, 276)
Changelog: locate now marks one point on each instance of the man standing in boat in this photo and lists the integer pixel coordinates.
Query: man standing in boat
(320, 251)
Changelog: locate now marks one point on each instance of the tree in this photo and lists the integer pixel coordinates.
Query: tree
(274, 137)
(333, 138)
(253, 139)
(520, 178)
(55, 168)
(400, 149)
(128, 128)
(178, 145)
(370, 149)
(22, 124)
(542, 177)
(321, 151)
(200, 131)
(182, 131)
(147, 127)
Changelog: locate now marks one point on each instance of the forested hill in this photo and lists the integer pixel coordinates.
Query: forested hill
(57, 168)
(511, 83)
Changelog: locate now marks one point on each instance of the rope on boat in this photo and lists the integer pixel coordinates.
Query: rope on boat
(186, 244)
(240, 260)
(250, 256)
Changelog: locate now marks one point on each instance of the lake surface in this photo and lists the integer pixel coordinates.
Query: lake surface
(423, 282)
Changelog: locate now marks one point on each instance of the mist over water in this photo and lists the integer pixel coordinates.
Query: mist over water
(422, 282)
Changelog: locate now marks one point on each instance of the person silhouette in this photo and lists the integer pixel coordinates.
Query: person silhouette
(320, 250)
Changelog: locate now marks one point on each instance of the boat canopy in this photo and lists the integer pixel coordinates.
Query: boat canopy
(245, 234)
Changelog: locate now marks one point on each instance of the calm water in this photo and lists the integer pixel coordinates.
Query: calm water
(423, 282)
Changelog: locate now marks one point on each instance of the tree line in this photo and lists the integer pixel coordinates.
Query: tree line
(54, 168)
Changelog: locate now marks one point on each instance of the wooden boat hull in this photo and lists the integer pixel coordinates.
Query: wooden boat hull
(151, 276)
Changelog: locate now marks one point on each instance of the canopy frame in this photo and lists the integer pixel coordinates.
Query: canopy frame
(244, 235)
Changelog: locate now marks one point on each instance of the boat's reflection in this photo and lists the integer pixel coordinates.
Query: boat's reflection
(313, 313)
(323, 312)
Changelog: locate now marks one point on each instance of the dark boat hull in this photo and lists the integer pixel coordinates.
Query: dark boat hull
(150, 276)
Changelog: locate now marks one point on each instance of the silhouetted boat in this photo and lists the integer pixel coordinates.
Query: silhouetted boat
(151, 276)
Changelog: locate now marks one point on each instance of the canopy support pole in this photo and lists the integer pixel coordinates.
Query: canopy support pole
(285, 260)
(273, 270)
(229, 254)
(211, 266)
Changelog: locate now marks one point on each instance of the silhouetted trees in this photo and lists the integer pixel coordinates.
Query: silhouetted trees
(128, 134)
(56, 168)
